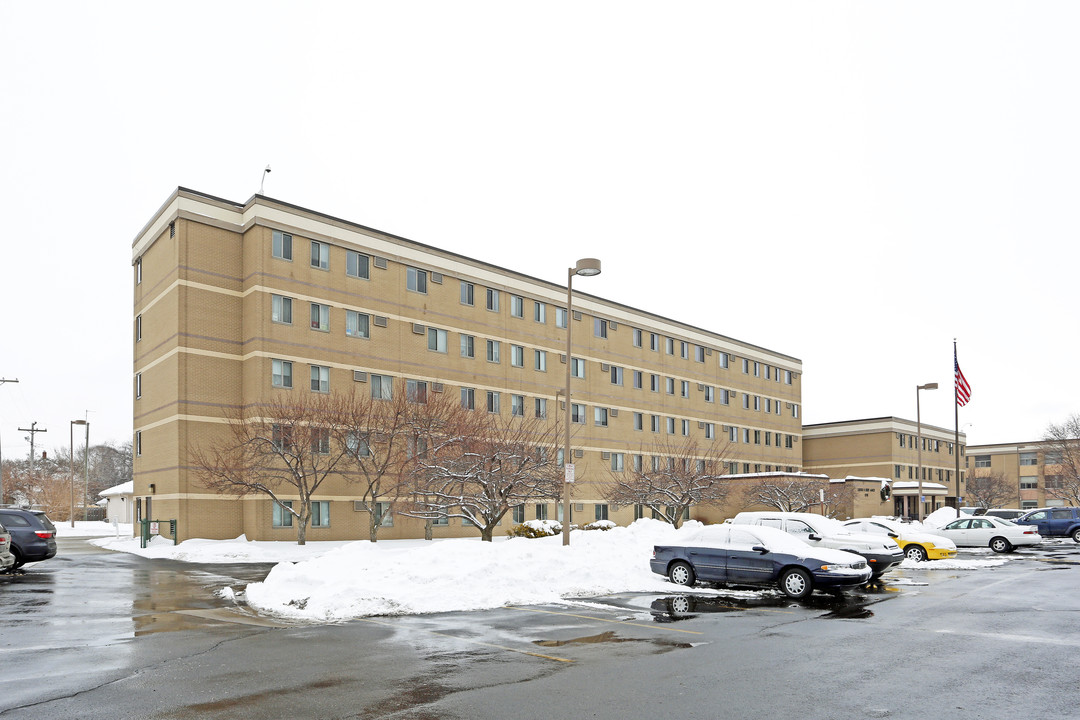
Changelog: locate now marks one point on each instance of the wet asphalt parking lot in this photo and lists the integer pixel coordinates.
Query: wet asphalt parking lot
(92, 634)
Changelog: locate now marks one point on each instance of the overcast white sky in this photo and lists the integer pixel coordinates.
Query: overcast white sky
(852, 184)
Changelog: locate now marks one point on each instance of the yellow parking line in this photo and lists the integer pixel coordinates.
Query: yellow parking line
(597, 619)
(468, 640)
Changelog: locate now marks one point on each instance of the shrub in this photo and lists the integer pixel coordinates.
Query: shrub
(600, 525)
(536, 529)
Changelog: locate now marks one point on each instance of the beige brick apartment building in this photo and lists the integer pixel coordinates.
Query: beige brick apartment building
(1032, 469)
(238, 302)
(888, 447)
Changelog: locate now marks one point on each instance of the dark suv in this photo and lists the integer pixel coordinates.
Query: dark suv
(1054, 522)
(33, 536)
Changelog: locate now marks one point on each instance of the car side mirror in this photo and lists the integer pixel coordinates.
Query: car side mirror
(814, 536)
(893, 535)
(760, 549)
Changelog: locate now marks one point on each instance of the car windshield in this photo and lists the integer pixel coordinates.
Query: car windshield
(1003, 521)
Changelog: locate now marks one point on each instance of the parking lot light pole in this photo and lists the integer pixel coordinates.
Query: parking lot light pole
(918, 425)
(586, 267)
(71, 461)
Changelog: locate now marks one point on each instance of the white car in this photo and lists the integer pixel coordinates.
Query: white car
(881, 553)
(987, 531)
(916, 542)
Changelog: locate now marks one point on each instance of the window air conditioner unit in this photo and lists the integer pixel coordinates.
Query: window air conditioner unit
(436, 278)
(417, 329)
(380, 321)
(359, 376)
(380, 262)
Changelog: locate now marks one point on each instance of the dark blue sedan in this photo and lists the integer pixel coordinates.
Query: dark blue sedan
(751, 555)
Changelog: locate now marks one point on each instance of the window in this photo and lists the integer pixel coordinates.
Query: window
(710, 431)
(282, 246)
(358, 445)
(382, 387)
(320, 441)
(517, 306)
(724, 359)
(517, 356)
(757, 403)
(733, 434)
(384, 514)
(356, 265)
(670, 385)
(637, 337)
(685, 389)
(492, 300)
(710, 395)
(138, 271)
(601, 510)
(795, 412)
(600, 328)
(492, 401)
(280, 309)
(654, 423)
(539, 312)
(468, 398)
(436, 340)
(746, 366)
(768, 405)
(357, 324)
(517, 405)
(541, 511)
(638, 377)
(600, 417)
(416, 391)
(138, 328)
(320, 379)
(320, 255)
(1029, 458)
(757, 437)
(138, 443)
(468, 349)
(138, 385)
(669, 346)
(281, 374)
(685, 428)
(787, 377)
(320, 513)
(540, 359)
(281, 437)
(757, 369)
(577, 367)
(518, 513)
(654, 341)
(541, 408)
(416, 280)
(654, 383)
(320, 317)
(684, 350)
(671, 426)
(577, 413)
(560, 317)
(982, 461)
(699, 353)
(493, 351)
(616, 375)
(639, 421)
(283, 514)
(468, 290)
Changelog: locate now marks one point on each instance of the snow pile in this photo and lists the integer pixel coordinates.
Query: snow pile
(940, 517)
(461, 574)
(239, 550)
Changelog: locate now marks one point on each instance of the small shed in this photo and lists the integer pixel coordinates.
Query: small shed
(119, 502)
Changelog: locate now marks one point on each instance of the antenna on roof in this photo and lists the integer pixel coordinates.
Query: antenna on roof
(263, 182)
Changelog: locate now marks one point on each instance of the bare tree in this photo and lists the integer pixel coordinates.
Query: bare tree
(476, 465)
(672, 478)
(286, 446)
(989, 490)
(797, 493)
(381, 436)
(1062, 460)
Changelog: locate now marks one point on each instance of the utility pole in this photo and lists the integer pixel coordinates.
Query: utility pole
(2, 381)
(32, 430)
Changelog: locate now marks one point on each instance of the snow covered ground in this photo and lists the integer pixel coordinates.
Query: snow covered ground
(334, 581)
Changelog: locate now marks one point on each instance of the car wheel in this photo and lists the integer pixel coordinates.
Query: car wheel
(18, 558)
(915, 552)
(1076, 535)
(1000, 545)
(796, 583)
(681, 573)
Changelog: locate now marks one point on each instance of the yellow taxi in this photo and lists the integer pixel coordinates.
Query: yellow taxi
(916, 543)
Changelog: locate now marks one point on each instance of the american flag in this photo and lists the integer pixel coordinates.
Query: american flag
(963, 390)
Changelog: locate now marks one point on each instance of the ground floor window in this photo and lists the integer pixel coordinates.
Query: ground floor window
(519, 513)
(541, 511)
(384, 516)
(320, 513)
(282, 516)
(601, 511)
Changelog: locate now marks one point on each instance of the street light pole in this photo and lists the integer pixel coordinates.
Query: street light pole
(585, 267)
(71, 461)
(86, 471)
(918, 424)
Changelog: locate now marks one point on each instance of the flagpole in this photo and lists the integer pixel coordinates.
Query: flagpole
(956, 420)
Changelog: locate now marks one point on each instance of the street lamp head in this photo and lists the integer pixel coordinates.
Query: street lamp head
(928, 386)
(587, 267)
(79, 422)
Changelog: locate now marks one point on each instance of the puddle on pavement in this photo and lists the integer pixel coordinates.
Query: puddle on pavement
(683, 607)
(610, 637)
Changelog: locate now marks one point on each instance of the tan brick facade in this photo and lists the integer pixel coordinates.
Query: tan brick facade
(206, 281)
